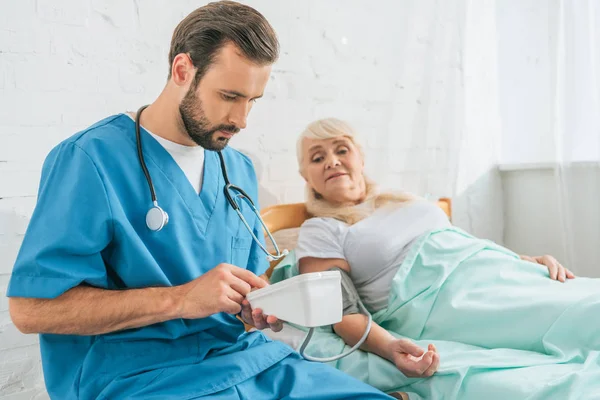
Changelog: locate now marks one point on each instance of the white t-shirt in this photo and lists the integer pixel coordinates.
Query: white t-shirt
(373, 247)
(189, 158)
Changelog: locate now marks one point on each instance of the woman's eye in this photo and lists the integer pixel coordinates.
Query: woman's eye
(317, 159)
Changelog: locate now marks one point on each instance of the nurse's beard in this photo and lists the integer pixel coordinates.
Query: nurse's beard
(198, 128)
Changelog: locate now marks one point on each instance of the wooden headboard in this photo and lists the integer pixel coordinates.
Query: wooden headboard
(293, 215)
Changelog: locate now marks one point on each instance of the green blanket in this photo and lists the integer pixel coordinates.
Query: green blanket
(503, 328)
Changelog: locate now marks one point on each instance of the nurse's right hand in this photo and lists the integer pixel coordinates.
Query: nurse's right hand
(222, 289)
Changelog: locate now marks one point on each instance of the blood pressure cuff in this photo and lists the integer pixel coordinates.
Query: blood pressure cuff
(349, 294)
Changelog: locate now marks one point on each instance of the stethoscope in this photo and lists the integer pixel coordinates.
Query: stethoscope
(157, 218)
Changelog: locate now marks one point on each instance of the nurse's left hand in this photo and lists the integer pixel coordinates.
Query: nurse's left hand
(257, 319)
(556, 270)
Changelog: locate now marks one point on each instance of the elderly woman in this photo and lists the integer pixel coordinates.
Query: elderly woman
(430, 285)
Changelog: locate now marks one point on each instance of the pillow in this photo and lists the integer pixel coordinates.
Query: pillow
(285, 238)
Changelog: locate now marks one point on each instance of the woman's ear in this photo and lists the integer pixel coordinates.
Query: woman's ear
(301, 171)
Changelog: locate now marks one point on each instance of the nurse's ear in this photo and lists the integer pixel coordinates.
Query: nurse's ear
(183, 71)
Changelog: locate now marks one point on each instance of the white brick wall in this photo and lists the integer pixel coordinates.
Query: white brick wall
(395, 71)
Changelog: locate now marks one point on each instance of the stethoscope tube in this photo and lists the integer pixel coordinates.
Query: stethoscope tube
(157, 218)
(141, 153)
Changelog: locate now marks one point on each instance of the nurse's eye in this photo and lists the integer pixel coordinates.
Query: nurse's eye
(228, 97)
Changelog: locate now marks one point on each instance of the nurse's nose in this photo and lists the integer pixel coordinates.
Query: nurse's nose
(238, 115)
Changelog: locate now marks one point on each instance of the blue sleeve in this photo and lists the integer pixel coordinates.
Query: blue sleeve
(70, 226)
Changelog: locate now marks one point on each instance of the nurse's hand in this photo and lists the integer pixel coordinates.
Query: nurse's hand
(257, 319)
(222, 289)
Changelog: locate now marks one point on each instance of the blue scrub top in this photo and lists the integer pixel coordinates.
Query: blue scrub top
(89, 227)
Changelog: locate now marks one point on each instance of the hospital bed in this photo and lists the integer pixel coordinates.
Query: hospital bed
(286, 219)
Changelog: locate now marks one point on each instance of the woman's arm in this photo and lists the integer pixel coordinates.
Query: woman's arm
(313, 264)
(409, 358)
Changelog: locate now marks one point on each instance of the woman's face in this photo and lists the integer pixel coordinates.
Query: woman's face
(334, 169)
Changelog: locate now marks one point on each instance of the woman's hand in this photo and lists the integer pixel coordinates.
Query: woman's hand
(557, 271)
(413, 361)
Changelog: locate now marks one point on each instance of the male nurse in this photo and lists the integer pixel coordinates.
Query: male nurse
(128, 311)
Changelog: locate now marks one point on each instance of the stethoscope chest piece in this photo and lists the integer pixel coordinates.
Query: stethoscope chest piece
(156, 218)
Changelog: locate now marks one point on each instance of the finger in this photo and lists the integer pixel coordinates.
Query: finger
(424, 363)
(527, 258)
(246, 311)
(274, 323)
(435, 362)
(553, 270)
(551, 261)
(409, 347)
(570, 275)
(231, 307)
(416, 368)
(246, 305)
(259, 319)
(248, 277)
(233, 295)
(561, 273)
(239, 285)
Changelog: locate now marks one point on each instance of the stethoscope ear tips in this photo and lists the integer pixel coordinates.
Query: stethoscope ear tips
(156, 218)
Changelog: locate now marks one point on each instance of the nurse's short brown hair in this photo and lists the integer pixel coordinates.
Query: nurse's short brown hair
(207, 29)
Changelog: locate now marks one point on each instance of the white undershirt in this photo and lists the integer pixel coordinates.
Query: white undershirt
(189, 158)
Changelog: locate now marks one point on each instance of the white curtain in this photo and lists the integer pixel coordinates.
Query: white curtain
(417, 79)
(442, 129)
(576, 133)
(549, 92)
